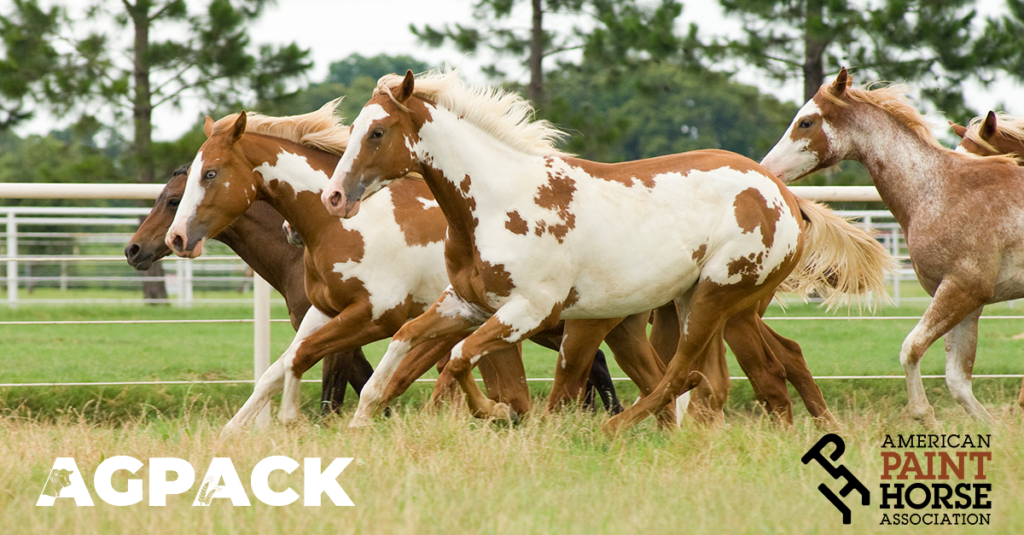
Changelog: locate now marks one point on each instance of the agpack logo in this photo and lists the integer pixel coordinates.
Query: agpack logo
(220, 482)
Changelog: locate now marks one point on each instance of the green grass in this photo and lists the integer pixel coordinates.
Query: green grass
(425, 471)
(105, 353)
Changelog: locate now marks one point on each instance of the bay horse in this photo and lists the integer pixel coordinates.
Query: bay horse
(362, 279)
(996, 133)
(535, 235)
(962, 215)
(256, 237)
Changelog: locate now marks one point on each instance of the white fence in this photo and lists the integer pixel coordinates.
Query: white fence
(19, 217)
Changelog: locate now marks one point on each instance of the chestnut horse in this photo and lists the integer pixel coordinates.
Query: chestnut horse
(256, 238)
(996, 133)
(962, 215)
(535, 235)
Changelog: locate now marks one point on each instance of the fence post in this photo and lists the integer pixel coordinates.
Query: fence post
(261, 336)
(12, 262)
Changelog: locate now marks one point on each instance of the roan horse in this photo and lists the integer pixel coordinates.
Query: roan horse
(963, 216)
(256, 238)
(996, 133)
(535, 235)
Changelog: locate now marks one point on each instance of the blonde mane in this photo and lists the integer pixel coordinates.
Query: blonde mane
(892, 100)
(1006, 125)
(506, 116)
(321, 129)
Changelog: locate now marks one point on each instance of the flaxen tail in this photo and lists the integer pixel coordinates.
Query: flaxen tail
(839, 260)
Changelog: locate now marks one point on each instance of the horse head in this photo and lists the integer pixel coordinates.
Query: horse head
(219, 187)
(812, 141)
(147, 244)
(385, 134)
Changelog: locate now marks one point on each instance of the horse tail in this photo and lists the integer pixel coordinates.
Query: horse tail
(839, 260)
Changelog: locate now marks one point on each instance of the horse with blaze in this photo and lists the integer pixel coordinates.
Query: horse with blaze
(535, 235)
(962, 215)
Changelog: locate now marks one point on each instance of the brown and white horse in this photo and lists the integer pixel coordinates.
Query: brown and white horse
(256, 237)
(996, 133)
(535, 235)
(963, 216)
(364, 277)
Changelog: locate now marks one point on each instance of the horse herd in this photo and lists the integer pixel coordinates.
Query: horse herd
(446, 219)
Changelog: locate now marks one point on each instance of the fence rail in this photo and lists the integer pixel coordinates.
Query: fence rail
(15, 216)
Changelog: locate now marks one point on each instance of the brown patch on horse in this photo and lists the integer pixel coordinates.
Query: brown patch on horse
(751, 209)
(496, 279)
(700, 252)
(556, 196)
(409, 206)
(516, 224)
(571, 299)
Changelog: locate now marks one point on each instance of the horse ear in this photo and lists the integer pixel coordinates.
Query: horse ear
(208, 126)
(957, 129)
(239, 128)
(988, 128)
(843, 81)
(408, 84)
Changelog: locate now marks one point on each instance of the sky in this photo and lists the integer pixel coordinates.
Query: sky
(333, 29)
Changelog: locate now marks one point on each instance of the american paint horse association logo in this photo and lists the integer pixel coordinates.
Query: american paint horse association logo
(837, 472)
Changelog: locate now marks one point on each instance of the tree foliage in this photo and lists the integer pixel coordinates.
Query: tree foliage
(929, 43)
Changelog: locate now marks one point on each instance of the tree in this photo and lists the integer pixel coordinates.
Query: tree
(927, 42)
(354, 78)
(206, 55)
(29, 56)
(496, 31)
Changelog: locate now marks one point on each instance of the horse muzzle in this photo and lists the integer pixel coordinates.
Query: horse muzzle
(341, 205)
(184, 248)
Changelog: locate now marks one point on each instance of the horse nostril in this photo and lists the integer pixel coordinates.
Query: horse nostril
(335, 199)
(131, 251)
(178, 244)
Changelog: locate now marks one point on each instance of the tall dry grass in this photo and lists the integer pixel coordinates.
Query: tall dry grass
(443, 472)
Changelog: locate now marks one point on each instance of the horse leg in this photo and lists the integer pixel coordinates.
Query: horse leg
(705, 401)
(418, 362)
(458, 317)
(272, 380)
(961, 349)
(600, 382)
(515, 321)
(799, 375)
(707, 306)
(575, 358)
(950, 306)
(638, 359)
(338, 371)
(504, 376)
(352, 327)
(767, 376)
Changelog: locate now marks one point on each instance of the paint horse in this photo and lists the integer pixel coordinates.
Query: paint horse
(535, 235)
(962, 215)
(363, 281)
(993, 134)
(256, 238)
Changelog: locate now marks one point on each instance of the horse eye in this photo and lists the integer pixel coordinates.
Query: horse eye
(805, 124)
(377, 134)
(210, 175)
(173, 203)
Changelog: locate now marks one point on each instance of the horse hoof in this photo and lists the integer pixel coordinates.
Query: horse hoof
(513, 418)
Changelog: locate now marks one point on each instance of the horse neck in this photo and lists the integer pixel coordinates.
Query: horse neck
(458, 157)
(256, 237)
(906, 170)
(295, 195)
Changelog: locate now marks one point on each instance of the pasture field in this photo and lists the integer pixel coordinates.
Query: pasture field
(431, 471)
